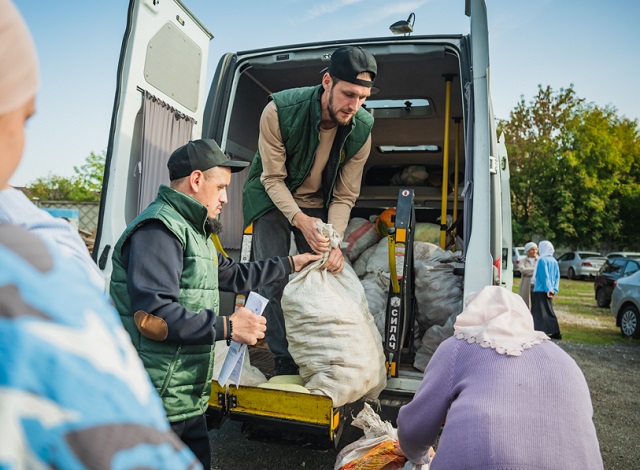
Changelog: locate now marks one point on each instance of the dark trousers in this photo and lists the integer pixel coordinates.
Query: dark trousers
(272, 237)
(193, 432)
(544, 317)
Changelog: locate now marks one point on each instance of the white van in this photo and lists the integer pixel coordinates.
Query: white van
(433, 111)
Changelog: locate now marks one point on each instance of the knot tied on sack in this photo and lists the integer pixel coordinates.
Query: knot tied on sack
(327, 231)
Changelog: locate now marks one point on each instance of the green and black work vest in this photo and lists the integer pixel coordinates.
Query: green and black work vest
(180, 373)
(299, 116)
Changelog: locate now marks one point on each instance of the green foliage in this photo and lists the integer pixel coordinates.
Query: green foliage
(574, 172)
(85, 185)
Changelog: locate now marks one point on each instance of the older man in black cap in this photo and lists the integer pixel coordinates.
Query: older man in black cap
(312, 148)
(166, 280)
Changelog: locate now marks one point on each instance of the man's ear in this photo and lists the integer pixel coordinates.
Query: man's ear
(327, 81)
(196, 179)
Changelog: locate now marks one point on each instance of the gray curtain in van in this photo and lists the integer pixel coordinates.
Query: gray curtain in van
(231, 215)
(163, 130)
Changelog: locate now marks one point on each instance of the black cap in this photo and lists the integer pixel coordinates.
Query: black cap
(200, 154)
(347, 62)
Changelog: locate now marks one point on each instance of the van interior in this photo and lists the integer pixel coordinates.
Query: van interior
(419, 117)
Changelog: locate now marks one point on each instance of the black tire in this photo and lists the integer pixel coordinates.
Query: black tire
(571, 274)
(630, 322)
(602, 299)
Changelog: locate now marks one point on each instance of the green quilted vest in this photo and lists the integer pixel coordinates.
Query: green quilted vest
(299, 116)
(180, 373)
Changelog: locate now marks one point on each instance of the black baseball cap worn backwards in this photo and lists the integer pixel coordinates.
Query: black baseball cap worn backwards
(200, 154)
(347, 62)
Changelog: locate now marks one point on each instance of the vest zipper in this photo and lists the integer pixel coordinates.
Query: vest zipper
(172, 366)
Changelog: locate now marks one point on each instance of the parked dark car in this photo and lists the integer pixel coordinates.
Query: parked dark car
(625, 305)
(613, 269)
(623, 254)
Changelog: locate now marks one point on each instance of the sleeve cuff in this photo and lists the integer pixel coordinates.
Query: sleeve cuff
(289, 265)
(219, 328)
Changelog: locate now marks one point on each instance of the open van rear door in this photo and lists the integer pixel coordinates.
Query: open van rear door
(479, 257)
(507, 234)
(158, 106)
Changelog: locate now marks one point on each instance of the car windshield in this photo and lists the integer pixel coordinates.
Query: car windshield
(584, 255)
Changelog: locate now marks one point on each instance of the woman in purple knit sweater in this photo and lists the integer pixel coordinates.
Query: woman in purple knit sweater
(512, 399)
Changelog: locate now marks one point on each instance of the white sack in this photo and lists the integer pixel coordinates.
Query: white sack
(376, 287)
(430, 342)
(379, 260)
(438, 291)
(332, 336)
(360, 265)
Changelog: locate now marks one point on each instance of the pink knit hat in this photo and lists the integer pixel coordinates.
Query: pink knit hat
(18, 60)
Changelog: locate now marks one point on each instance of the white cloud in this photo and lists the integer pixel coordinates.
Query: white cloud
(331, 7)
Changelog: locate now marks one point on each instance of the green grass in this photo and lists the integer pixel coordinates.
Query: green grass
(580, 318)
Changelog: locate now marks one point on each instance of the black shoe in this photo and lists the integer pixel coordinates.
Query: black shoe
(556, 336)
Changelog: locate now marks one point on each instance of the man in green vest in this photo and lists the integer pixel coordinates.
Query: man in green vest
(165, 282)
(312, 148)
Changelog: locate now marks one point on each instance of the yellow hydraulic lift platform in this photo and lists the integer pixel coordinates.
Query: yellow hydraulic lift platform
(290, 411)
(293, 412)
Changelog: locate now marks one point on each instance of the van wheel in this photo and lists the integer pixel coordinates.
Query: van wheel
(572, 274)
(630, 322)
(601, 298)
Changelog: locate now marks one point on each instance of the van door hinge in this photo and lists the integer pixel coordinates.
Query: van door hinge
(493, 165)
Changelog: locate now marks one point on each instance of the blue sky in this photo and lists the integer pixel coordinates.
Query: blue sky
(589, 43)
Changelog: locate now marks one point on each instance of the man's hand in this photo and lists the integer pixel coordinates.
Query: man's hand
(300, 261)
(335, 261)
(307, 226)
(248, 327)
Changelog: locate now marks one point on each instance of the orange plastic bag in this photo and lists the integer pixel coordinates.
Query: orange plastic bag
(379, 457)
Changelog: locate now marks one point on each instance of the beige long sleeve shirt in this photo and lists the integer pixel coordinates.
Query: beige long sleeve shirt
(309, 194)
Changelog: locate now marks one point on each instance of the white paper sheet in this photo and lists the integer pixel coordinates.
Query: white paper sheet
(232, 367)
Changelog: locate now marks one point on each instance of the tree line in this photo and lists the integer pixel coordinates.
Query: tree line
(84, 185)
(575, 172)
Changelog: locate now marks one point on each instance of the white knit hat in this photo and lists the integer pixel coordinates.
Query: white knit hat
(18, 60)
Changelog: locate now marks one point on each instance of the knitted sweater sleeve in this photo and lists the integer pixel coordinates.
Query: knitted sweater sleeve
(419, 421)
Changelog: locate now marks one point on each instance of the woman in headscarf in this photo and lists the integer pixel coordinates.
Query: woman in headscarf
(546, 278)
(511, 398)
(526, 270)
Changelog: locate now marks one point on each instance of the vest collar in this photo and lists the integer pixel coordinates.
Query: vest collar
(192, 211)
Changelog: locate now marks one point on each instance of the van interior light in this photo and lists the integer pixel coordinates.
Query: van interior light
(408, 148)
(403, 26)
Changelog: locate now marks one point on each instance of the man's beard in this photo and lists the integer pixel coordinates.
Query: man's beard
(332, 113)
(213, 226)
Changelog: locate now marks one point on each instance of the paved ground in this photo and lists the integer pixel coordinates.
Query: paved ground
(613, 374)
